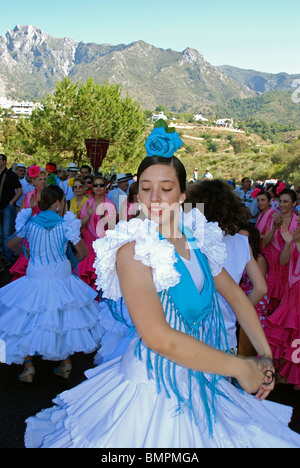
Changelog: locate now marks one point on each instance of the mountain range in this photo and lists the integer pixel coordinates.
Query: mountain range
(32, 61)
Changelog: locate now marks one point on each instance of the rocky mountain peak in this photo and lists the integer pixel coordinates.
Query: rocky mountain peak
(32, 61)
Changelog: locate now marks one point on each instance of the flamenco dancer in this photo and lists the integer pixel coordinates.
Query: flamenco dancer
(273, 240)
(283, 326)
(31, 199)
(49, 311)
(169, 388)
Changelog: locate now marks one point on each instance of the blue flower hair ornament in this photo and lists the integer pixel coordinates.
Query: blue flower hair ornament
(162, 141)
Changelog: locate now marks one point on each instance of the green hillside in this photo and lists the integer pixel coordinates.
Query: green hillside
(276, 106)
(233, 155)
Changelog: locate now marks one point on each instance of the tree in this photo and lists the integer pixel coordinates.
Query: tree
(75, 112)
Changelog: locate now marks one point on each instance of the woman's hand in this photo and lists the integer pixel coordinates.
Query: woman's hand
(89, 209)
(33, 202)
(257, 376)
(277, 221)
(267, 367)
(287, 236)
(250, 377)
(296, 235)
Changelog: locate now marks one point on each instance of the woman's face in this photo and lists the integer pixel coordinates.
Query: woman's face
(159, 193)
(286, 204)
(99, 187)
(78, 188)
(40, 182)
(263, 202)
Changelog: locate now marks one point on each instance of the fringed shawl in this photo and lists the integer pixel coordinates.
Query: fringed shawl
(186, 309)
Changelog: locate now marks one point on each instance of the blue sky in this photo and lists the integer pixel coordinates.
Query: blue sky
(261, 35)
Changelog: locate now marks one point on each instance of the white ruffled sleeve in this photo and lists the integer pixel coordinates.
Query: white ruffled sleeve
(21, 220)
(72, 227)
(149, 249)
(209, 239)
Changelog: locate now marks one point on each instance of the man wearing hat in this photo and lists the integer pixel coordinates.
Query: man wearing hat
(27, 186)
(72, 172)
(119, 194)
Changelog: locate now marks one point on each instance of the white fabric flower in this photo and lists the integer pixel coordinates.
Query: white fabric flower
(72, 227)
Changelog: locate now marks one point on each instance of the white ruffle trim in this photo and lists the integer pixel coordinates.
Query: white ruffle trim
(159, 254)
(209, 239)
(72, 227)
(21, 220)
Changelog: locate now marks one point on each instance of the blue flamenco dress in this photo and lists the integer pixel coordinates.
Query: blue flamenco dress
(136, 398)
(48, 312)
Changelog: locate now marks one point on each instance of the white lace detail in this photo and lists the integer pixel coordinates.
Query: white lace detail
(72, 227)
(158, 254)
(209, 239)
(149, 249)
(21, 220)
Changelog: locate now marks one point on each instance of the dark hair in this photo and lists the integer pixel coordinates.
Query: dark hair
(254, 239)
(88, 179)
(268, 195)
(289, 192)
(80, 179)
(3, 157)
(133, 190)
(173, 161)
(221, 204)
(99, 176)
(50, 195)
(85, 166)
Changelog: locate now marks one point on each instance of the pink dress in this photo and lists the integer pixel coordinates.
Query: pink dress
(263, 224)
(20, 266)
(278, 274)
(263, 307)
(94, 229)
(282, 328)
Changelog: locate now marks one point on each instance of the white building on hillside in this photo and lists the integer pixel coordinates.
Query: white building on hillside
(225, 123)
(158, 116)
(18, 108)
(200, 117)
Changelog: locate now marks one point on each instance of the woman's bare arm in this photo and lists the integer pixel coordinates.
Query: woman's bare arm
(148, 316)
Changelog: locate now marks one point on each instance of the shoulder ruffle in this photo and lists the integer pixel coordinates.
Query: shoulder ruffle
(72, 227)
(22, 218)
(149, 249)
(152, 251)
(209, 239)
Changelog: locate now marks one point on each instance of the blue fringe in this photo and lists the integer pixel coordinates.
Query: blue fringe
(163, 371)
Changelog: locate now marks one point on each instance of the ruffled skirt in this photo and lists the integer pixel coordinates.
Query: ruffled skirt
(19, 267)
(118, 407)
(48, 312)
(282, 330)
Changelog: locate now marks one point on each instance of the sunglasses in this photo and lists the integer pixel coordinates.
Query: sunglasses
(99, 185)
(77, 186)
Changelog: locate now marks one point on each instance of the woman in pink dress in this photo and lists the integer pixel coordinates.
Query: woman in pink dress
(97, 215)
(278, 273)
(283, 326)
(30, 200)
(265, 218)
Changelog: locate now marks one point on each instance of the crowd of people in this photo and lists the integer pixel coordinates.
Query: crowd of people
(192, 313)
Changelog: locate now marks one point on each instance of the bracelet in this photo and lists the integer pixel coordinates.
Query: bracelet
(269, 374)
